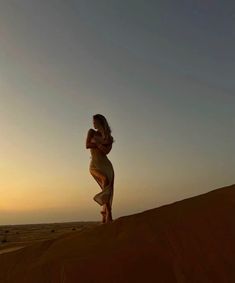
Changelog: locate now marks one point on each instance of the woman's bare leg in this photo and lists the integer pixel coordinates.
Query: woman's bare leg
(106, 210)
(109, 217)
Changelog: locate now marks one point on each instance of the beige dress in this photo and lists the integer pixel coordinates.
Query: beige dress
(101, 163)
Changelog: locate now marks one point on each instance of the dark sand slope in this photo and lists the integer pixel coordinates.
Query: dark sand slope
(192, 240)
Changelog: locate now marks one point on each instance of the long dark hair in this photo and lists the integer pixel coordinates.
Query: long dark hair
(105, 125)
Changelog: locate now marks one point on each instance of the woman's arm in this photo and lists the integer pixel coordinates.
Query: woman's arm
(105, 145)
(90, 135)
(105, 148)
(106, 141)
(98, 139)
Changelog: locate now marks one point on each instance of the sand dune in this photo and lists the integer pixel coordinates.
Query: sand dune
(192, 240)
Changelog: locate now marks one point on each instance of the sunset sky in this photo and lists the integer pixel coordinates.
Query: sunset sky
(162, 72)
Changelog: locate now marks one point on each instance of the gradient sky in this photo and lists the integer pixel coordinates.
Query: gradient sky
(162, 72)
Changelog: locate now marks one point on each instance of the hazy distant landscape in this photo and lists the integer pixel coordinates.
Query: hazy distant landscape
(13, 237)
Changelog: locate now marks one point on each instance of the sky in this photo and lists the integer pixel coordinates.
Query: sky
(161, 72)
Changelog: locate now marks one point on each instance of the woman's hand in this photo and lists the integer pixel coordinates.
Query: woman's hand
(90, 135)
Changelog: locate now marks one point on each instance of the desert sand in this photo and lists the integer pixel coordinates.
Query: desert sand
(192, 240)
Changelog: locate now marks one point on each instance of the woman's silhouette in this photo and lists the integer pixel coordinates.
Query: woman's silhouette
(100, 144)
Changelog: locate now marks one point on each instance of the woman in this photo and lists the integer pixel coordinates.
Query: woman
(100, 144)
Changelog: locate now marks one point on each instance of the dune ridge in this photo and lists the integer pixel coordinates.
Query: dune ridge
(192, 240)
